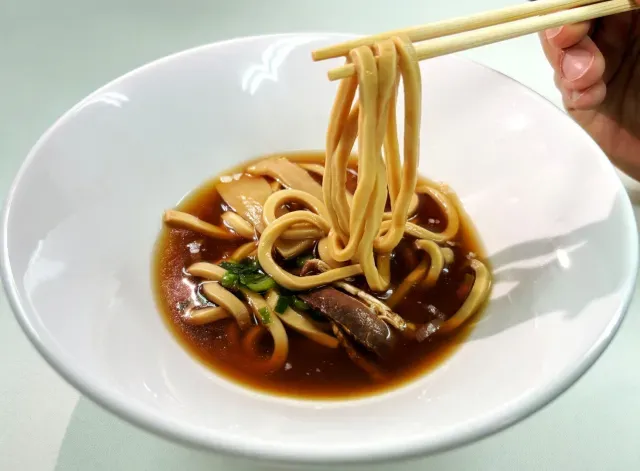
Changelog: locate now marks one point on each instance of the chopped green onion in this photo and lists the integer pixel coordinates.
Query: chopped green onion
(258, 283)
(253, 263)
(251, 277)
(229, 280)
(302, 259)
(300, 304)
(282, 304)
(232, 267)
(247, 266)
(265, 315)
(247, 273)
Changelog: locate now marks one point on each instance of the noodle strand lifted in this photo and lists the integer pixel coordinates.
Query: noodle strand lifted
(354, 225)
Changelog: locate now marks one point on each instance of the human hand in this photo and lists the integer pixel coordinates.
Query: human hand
(597, 70)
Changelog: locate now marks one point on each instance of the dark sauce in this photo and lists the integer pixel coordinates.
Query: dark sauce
(312, 370)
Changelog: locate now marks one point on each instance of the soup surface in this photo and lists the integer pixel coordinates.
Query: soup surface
(312, 370)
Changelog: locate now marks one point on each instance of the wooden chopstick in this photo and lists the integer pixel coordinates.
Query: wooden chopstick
(509, 30)
(455, 25)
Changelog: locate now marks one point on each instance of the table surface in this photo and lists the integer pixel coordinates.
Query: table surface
(54, 53)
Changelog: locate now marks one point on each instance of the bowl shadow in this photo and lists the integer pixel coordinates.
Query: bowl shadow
(523, 271)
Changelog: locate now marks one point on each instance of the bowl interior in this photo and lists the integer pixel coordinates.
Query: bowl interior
(86, 208)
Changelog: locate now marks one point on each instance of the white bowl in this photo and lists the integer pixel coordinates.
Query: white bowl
(85, 210)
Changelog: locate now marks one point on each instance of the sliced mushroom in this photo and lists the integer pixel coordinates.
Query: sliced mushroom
(246, 195)
(288, 174)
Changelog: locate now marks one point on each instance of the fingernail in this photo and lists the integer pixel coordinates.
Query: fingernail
(553, 32)
(576, 63)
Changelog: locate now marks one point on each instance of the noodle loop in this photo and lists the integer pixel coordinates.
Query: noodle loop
(311, 236)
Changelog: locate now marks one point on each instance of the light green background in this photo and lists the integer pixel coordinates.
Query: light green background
(52, 53)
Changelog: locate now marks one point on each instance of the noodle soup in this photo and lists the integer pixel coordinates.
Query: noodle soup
(324, 361)
(328, 275)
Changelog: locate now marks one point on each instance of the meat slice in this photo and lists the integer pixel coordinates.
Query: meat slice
(368, 366)
(311, 267)
(354, 317)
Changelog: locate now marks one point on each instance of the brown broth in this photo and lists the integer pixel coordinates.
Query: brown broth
(312, 371)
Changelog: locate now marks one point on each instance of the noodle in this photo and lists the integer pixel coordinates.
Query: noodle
(238, 225)
(319, 170)
(355, 225)
(283, 277)
(325, 254)
(447, 207)
(187, 221)
(477, 296)
(257, 303)
(409, 282)
(279, 206)
(217, 294)
(244, 251)
(275, 328)
(251, 338)
(437, 262)
(449, 256)
(208, 271)
(292, 248)
(205, 315)
(313, 168)
(402, 192)
(279, 198)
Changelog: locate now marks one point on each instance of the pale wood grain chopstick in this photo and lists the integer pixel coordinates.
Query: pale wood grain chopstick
(455, 25)
(501, 32)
